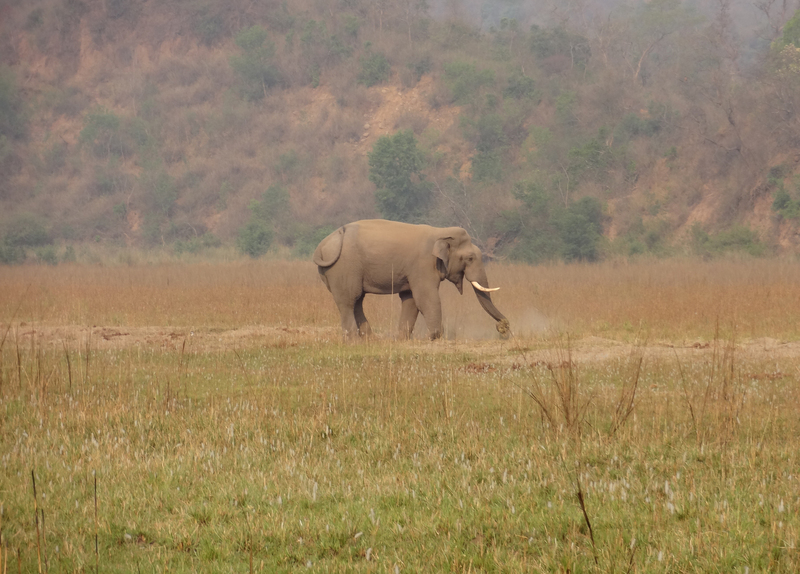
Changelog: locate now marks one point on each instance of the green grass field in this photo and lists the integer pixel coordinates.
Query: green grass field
(207, 418)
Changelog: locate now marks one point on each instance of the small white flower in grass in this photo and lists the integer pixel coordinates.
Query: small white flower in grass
(369, 554)
(358, 535)
(660, 556)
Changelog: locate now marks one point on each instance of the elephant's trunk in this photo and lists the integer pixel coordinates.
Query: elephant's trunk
(485, 299)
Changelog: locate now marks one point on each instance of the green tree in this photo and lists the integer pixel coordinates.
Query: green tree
(255, 238)
(322, 49)
(542, 230)
(465, 80)
(257, 73)
(520, 87)
(268, 214)
(490, 142)
(375, 69)
(791, 31)
(530, 229)
(27, 231)
(395, 167)
(101, 130)
(580, 227)
(650, 28)
(273, 205)
(13, 116)
(558, 42)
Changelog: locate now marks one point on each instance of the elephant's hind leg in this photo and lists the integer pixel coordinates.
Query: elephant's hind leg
(349, 325)
(408, 314)
(361, 320)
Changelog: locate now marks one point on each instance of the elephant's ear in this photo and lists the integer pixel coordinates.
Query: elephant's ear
(441, 250)
(329, 249)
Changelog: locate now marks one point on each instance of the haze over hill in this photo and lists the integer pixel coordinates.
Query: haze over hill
(548, 130)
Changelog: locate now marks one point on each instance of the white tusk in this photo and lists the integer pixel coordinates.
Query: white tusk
(480, 287)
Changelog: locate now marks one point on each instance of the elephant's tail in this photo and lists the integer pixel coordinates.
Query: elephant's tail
(329, 249)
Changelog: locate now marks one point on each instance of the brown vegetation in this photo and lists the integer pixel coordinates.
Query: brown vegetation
(676, 128)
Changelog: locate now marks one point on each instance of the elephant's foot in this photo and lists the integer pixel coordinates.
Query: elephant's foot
(435, 334)
(504, 328)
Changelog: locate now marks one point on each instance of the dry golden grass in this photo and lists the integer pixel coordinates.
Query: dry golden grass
(223, 294)
(672, 300)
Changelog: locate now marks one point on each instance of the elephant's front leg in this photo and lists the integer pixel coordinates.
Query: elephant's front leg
(427, 301)
(408, 314)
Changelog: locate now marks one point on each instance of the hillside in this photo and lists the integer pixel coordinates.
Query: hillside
(655, 128)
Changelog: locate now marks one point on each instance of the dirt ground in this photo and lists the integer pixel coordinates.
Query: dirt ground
(530, 350)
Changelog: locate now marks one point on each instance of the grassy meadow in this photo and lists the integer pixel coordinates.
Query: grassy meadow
(207, 418)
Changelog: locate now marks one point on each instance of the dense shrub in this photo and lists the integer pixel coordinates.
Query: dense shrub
(738, 238)
(465, 80)
(255, 238)
(103, 134)
(197, 244)
(543, 229)
(581, 228)
(375, 69)
(634, 125)
(490, 141)
(160, 191)
(487, 166)
(13, 114)
(322, 49)
(785, 206)
(254, 67)
(420, 67)
(555, 42)
(273, 205)
(10, 254)
(520, 87)
(27, 231)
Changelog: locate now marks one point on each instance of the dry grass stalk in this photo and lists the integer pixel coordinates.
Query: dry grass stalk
(714, 409)
(559, 399)
(36, 520)
(96, 540)
(627, 398)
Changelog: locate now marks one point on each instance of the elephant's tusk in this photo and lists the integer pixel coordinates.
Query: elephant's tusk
(480, 287)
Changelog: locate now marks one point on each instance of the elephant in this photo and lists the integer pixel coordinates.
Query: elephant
(387, 257)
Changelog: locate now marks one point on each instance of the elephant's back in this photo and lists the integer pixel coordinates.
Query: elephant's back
(384, 231)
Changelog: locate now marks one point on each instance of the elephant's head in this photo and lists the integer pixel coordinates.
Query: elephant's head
(456, 258)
